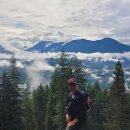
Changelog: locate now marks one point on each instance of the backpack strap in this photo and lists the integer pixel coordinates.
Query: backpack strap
(88, 100)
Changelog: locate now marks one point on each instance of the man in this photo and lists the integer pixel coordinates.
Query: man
(76, 108)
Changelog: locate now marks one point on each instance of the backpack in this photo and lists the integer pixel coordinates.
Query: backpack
(88, 100)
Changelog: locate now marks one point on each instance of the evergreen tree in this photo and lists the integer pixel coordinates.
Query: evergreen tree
(28, 115)
(59, 89)
(49, 125)
(14, 75)
(97, 86)
(11, 98)
(5, 99)
(10, 105)
(118, 109)
(77, 70)
(1, 99)
(14, 72)
(96, 116)
(39, 101)
(118, 85)
(128, 84)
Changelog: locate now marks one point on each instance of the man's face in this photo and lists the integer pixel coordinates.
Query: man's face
(72, 87)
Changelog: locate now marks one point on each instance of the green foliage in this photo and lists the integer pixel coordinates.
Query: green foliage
(77, 70)
(96, 86)
(59, 89)
(43, 109)
(118, 115)
(11, 97)
(39, 104)
(118, 85)
(96, 116)
(49, 111)
(27, 106)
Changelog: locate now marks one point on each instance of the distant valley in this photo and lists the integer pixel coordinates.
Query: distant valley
(99, 57)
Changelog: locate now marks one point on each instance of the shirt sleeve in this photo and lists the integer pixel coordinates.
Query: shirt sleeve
(66, 108)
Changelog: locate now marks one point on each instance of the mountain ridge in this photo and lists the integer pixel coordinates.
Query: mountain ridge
(105, 45)
(3, 50)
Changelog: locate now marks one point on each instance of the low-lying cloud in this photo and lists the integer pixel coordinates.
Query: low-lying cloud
(35, 72)
(36, 64)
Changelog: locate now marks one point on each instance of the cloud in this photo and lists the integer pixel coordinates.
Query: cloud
(88, 70)
(110, 80)
(105, 70)
(20, 65)
(4, 56)
(24, 23)
(127, 73)
(4, 63)
(36, 64)
(103, 57)
(94, 76)
(35, 73)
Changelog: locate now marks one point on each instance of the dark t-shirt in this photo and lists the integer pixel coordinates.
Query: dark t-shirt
(76, 107)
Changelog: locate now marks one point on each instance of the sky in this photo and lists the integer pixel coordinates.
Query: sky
(23, 23)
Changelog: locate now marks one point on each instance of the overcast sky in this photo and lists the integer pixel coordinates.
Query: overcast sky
(26, 22)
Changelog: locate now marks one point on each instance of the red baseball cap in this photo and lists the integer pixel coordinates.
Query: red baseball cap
(72, 81)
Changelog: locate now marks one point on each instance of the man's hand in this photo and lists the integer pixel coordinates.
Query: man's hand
(72, 123)
(68, 118)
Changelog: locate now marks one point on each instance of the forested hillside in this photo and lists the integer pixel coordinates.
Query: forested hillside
(44, 108)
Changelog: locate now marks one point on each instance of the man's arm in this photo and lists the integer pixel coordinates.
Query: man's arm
(68, 118)
(72, 123)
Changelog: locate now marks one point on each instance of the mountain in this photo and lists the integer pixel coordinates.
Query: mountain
(2, 50)
(106, 45)
(46, 46)
(97, 66)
